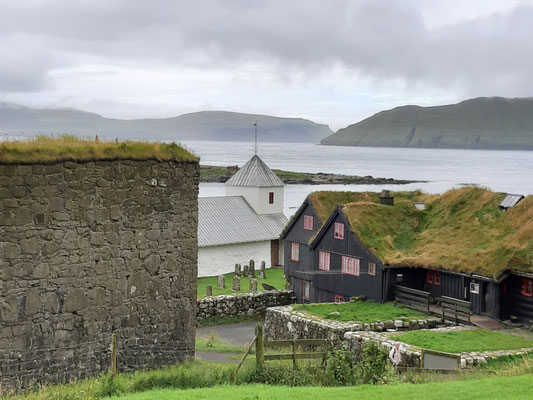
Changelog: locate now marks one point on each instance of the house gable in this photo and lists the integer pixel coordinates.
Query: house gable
(366, 280)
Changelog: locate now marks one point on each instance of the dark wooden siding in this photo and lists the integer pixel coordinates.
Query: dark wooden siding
(514, 302)
(335, 282)
(299, 235)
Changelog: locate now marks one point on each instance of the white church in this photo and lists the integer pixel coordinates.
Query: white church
(243, 225)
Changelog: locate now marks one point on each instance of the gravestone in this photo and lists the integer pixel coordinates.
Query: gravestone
(253, 285)
(251, 272)
(209, 290)
(245, 270)
(221, 282)
(238, 269)
(262, 270)
(236, 283)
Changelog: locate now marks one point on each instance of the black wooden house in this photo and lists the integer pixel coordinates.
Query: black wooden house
(329, 262)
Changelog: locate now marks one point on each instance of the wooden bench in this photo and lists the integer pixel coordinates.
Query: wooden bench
(455, 310)
(413, 298)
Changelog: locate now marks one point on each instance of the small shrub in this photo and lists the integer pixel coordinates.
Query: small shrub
(373, 366)
(339, 370)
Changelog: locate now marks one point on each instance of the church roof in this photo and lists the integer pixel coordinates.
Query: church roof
(255, 173)
(230, 219)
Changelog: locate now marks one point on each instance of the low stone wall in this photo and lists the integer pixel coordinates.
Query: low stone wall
(412, 355)
(285, 323)
(241, 305)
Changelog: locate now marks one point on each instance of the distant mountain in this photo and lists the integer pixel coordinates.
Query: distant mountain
(204, 125)
(482, 123)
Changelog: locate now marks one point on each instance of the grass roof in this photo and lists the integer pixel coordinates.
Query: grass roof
(45, 149)
(461, 230)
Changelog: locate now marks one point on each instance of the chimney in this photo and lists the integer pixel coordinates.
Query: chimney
(385, 198)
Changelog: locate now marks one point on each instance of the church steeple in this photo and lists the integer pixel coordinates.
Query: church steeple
(259, 185)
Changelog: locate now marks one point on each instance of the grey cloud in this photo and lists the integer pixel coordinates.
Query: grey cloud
(380, 39)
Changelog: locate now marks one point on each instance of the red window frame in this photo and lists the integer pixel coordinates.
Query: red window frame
(350, 266)
(429, 277)
(295, 251)
(527, 287)
(304, 285)
(436, 278)
(339, 230)
(372, 268)
(308, 222)
(339, 298)
(270, 197)
(324, 259)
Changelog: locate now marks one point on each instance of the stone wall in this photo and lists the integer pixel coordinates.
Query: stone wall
(88, 249)
(241, 305)
(284, 323)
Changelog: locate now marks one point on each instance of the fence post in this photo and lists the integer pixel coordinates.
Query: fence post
(259, 348)
(294, 354)
(114, 354)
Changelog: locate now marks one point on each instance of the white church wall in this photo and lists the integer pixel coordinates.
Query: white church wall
(217, 260)
(258, 198)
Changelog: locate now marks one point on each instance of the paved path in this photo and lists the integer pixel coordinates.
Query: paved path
(213, 356)
(241, 333)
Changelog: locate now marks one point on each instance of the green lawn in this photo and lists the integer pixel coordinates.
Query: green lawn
(502, 388)
(464, 341)
(274, 277)
(360, 311)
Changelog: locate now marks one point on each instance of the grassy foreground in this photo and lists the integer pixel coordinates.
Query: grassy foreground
(360, 311)
(464, 341)
(274, 277)
(502, 388)
(70, 148)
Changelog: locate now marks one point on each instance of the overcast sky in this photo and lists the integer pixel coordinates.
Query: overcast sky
(332, 61)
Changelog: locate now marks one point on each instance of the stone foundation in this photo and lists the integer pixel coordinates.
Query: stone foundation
(241, 305)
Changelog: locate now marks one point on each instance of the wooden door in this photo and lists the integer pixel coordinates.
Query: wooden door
(274, 252)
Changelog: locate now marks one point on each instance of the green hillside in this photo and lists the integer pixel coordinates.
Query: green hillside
(482, 123)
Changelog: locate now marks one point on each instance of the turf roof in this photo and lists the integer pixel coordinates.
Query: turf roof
(45, 149)
(462, 230)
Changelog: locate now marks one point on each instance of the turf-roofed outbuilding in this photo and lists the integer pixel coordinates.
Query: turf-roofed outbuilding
(462, 245)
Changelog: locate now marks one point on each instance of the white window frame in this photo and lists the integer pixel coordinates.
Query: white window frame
(339, 231)
(295, 251)
(308, 222)
(351, 266)
(324, 260)
(372, 268)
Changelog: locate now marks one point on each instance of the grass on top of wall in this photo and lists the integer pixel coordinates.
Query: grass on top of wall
(464, 341)
(359, 311)
(274, 277)
(46, 149)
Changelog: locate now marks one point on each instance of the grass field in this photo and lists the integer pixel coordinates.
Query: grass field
(464, 341)
(360, 311)
(502, 388)
(274, 277)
